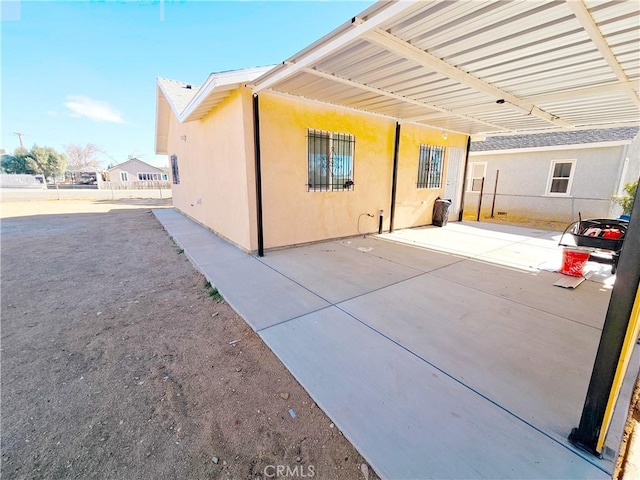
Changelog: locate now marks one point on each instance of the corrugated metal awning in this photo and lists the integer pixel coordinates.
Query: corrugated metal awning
(478, 66)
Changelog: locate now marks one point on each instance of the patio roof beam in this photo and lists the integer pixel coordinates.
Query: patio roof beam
(410, 52)
(386, 93)
(581, 12)
(359, 28)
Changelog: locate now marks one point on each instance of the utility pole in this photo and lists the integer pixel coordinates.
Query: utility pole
(20, 138)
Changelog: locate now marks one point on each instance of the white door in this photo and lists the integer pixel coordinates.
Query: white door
(452, 188)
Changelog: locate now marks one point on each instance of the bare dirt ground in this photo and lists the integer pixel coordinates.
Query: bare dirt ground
(550, 225)
(116, 362)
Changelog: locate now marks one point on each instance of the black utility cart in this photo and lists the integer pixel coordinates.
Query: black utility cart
(603, 237)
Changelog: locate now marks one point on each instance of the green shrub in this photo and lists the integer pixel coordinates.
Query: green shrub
(626, 201)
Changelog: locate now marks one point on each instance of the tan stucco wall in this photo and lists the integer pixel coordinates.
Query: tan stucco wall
(294, 215)
(414, 206)
(291, 213)
(217, 171)
(215, 160)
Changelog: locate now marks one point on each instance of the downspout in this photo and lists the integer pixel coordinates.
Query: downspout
(394, 182)
(464, 178)
(256, 149)
(623, 171)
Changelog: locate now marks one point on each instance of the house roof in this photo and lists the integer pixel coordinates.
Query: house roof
(135, 160)
(476, 67)
(190, 103)
(179, 94)
(553, 139)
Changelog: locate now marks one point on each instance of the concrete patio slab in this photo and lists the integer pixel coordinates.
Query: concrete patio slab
(336, 272)
(253, 289)
(450, 240)
(409, 419)
(434, 364)
(533, 289)
(261, 295)
(507, 351)
(423, 259)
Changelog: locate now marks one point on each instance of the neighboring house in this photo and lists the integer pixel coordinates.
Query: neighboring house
(552, 176)
(136, 174)
(323, 168)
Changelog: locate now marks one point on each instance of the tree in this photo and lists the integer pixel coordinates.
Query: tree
(626, 201)
(44, 160)
(15, 163)
(82, 157)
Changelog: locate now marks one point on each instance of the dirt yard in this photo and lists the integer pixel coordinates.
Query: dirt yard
(117, 363)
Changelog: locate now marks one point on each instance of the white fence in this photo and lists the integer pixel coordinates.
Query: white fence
(18, 180)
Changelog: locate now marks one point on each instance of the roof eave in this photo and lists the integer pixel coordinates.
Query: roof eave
(220, 81)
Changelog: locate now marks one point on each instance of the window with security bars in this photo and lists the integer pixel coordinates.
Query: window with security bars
(175, 175)
(430, 166)
(330, 161)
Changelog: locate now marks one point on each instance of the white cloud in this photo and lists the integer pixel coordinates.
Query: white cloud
(81, 106)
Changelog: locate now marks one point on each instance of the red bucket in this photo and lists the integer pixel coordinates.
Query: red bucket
(573, 261)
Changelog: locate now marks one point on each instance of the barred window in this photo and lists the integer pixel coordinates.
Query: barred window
(330, 161)
(430, 166)
(175, 175)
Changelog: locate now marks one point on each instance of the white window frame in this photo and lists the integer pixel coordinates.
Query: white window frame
(124, 176)
(550, 179)
(471, 177)
(150, 177)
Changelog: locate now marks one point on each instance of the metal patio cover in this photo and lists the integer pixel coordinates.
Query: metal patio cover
(476, 67)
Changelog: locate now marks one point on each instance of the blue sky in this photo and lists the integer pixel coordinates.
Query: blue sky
(84, 71)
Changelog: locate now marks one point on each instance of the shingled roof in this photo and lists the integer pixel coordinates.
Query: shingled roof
(551, 139)
(178, 93)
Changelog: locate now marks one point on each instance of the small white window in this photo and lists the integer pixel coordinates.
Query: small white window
(477, 171)
(124, 177)
(560, 177)
(149, 177)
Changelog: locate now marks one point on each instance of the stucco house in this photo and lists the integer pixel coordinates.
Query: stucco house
(326, 171)
(374, 122)
(554, 175)
(361, 125)
(136, 174)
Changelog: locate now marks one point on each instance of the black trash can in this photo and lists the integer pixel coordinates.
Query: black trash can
(441, 212)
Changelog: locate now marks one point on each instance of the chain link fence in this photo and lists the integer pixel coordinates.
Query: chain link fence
(530, 207)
